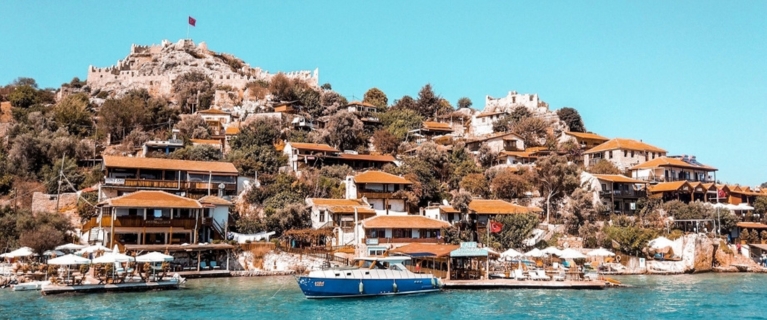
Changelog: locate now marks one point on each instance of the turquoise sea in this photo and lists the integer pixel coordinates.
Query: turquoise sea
(704, 296)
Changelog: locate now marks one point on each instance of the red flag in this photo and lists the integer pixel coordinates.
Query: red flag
(721, 193)
(495, 226)
(192, 21)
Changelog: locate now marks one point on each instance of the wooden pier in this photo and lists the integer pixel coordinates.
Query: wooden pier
(522, 284)
(121, 287)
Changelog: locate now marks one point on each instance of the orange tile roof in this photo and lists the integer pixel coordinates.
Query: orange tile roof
(283, 108)
(404, 222)
(379, 177)
(233, 129)
(213, 111)
(669, 186)
(752, 225)
(312, 147)
(528, 153)
(491, 136)
(616, 178)
(367, 157)
(586, 135)
(625, 144)
(481, 206)
(151, 199)
(169, 164)
(341, 205)
(669, 162)
(436, 250)
(437, 126)
(215, 200)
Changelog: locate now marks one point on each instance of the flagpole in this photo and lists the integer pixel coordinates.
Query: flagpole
(187, 31)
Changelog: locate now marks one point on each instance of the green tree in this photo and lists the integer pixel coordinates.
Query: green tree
(516, 229)
(23, 96)
(533, 131)
(404, 103)
(572, 118)
(71, 172)
(261, 132)
(346, 131)
(508, 184)
(555, 178)
(630, 239)
(603, 166)
(399, 121)
(760, 205)
(192, 89)
(475, 184)
(385, 142)
(377, 98)
(203, 152)
(74, 114)
(428, 102)
(464, 102)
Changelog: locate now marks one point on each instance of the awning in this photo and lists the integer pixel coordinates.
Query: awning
(469, 252)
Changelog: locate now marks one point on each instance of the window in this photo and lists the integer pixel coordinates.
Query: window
(322, 216)
(402, 233)
(611, 154)
(604, 187)
(625, 153)
(632, 153)
(133, 212)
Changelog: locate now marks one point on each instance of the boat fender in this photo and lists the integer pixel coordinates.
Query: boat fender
(362, 287)
(394, 287)
(439, 283)
(433, 283)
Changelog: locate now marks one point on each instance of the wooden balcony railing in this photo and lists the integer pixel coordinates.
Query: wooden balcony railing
(168, 184)
(406, 240)
(139, 222)
(377, 195)
(623, 194)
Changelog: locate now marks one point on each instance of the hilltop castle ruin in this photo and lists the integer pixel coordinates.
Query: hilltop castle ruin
(156, 67)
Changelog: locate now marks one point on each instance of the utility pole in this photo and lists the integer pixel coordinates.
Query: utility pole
(58, 188)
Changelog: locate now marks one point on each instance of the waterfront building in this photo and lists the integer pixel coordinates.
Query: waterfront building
(381, 191)
(384, 232)
(618, 193)
(668, 169)
(301, 155)
(342, 215)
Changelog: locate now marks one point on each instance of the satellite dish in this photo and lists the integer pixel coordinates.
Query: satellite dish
(221, 185)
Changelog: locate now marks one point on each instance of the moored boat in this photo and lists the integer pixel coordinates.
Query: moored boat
(372, 276)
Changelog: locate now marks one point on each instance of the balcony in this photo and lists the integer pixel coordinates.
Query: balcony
(404, 240)
(375, 194)
(166, 184)
(139, 222)
(623, 194)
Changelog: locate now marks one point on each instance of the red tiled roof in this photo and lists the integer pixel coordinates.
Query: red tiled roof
(752, 225)
(215, 200)
(379, 177)
(625, 144)
(488, 114)
(214, 111)
(404, 222)
(448, 209)
(206, 141)
(151, 199)
(586, 135)
(437, 250)
(366, 157)
(169, 164)
(668, 186)
(669, 162)
(436, 126)
(360, 103)
(312, 147)
(616, 178)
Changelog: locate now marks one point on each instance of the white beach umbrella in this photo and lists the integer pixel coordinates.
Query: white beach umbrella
(70, 246)
(601, 252)
(112, 258)
(69, 259)
(154, 256)
(744, 206)
(660, 243)
(52, 252)
(511, 253)
(20, 252)
(535, 253)
(94, 248)
(552, 250)
(730, 206)
(571, 254)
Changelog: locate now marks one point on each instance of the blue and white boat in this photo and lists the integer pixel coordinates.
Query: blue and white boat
(372, 276)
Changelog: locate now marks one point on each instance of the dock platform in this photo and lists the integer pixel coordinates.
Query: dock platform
(522, 284)
(122, 287)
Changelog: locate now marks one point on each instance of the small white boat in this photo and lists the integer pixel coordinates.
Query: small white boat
(30, 286)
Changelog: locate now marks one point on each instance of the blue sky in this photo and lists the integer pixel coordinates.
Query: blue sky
(686, 76)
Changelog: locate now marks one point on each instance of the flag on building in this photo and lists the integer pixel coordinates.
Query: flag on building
(495, 226)
(721, 193)
(192, 21)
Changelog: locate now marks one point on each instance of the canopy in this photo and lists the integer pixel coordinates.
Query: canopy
(552, 250)
(571, 254)
(68, 260)
(601, 252)
(154, 256)
(535, 253)
(660, 243)
(20, 252)
(511, 253)
(70, 246)
(731, 206)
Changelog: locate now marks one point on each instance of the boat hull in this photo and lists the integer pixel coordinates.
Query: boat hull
(319, 288)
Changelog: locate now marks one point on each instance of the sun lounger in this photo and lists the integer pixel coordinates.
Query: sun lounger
(542, 275)
(204, 266)
(214, 265)
(559, 276)
(519, 275)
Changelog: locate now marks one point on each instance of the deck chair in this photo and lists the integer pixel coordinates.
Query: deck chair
(542, 275)
(559, 276)
(204, 266)
(519, 275)
(214, 265)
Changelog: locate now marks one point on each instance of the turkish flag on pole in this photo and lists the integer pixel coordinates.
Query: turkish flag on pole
(495, 226)
(192, 21)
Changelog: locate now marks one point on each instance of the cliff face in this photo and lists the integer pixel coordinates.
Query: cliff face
(697, 254)
(155, 68)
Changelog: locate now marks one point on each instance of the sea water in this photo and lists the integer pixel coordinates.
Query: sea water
(702, 296)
